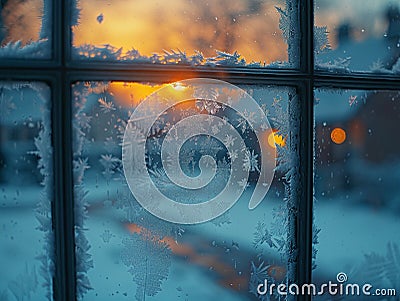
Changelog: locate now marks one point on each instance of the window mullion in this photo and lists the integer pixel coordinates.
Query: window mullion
(63, 202)
(63, 209)
(301, 205)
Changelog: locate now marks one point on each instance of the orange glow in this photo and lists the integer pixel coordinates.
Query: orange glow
(153, 26)
(178, 87)
(338, 135)
(131, 94)
(22, 20)
(227, 273)
(275, 139)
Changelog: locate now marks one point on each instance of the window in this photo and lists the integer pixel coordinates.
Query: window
(73, 77)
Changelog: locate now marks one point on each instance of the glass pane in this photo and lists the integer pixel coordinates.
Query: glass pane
(26, 238)
(125, 251)
(25, 29)
(217, 32)
(358, 35)
(357, 189)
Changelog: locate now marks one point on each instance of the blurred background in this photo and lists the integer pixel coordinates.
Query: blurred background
(357, 194)
(357, 157)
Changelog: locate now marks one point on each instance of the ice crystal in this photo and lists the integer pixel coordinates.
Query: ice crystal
(258, 274)
(352, 100)
(82, 124)
(178, 57)
(149, 266)
(284, 22)
(212, 107)
(262, 235)
(106, 106)
(205, 93)
(106, 236)
(83, 263)
(25, 284)
(321, 42)
(37, 49)
(43, 209)
(229, 140)
(381, 269)
(250, 161)
(379, 67)
(110, 164)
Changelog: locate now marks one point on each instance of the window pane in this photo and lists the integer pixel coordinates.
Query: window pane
(123, 250)
(357, 188)
(218, 32)
(25, 29)
(26, 239)
(358, 35)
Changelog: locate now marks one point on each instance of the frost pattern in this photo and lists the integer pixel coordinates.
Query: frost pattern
(292, 164)
(279, 235)
(322, 46)
(379, 67)
(288, 24)
(381, 270)
(34, 49)
(43, 210)
(176, 57)
(148, 244)
(81, 125)
(149, 271)
(27, 282)
(149, 266)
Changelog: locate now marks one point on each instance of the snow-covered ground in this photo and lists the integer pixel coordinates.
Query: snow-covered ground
(348, 232)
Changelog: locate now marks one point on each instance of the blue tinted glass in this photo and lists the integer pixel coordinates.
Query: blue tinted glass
(357, 209)
(361, 36)
(26, 240)
(123, 251)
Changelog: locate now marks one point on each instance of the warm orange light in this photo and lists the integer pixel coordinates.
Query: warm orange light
(338, 135)
(131, 94)
(178, 87)
(275, 139)
(151, 26)
(227, 273)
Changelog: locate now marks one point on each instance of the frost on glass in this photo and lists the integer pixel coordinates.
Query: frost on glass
(123, 251)
(359, 36)
(357, 161)
(26, 237)
(25, 29)
(185, 32)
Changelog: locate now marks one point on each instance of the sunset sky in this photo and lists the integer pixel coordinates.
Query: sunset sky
(153, 26)
(250, 27)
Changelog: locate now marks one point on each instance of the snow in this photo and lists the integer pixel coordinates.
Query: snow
(349, 232)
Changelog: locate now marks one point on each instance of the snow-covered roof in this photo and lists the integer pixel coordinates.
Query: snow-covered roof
(365, 56)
